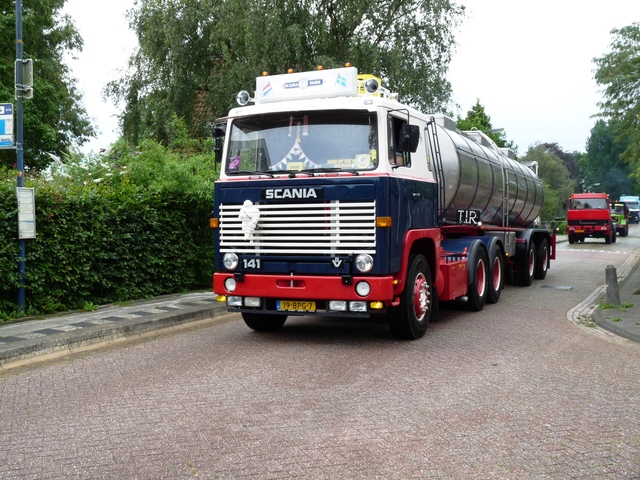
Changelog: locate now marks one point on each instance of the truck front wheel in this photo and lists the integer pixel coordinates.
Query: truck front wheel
(263, 322)
(409, 320)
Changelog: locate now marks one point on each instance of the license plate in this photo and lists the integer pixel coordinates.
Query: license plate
(296, 306)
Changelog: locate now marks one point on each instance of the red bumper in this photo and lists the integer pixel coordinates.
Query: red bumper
(305, 287)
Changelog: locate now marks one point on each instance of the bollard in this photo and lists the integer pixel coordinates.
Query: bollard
(613, 292)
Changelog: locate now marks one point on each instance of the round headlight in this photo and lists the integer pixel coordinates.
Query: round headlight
(364, 263)
(243, 98)
(230, 261)
(230, 284)
(363, 289)
(372, 85)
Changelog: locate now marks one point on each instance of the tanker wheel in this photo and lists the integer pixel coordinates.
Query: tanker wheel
(479, 285)
(263, 322)
(525, 270)
(409, 320)
(496, 273)
(542, 259)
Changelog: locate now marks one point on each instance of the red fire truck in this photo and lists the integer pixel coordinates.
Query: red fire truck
(337, 200)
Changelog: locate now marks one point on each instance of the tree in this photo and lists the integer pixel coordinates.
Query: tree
(558, 184)
(54, 120)
(602, 167)
(618, 72)
(191, 63)
(478, 119)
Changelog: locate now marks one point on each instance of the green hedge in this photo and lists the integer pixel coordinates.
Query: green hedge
(130, 225)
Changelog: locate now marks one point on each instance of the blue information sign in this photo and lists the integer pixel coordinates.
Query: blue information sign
(6, 125)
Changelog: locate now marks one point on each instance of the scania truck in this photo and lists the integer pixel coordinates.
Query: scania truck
(337, 200)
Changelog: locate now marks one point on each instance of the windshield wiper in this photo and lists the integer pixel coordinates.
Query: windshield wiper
(321, 170)
(250, 172)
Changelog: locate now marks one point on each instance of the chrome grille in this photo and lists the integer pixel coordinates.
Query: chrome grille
(327, 228)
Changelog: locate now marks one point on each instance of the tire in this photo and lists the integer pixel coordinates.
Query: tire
(496, 273)
(614, 237)
(572, 239)
(263, 322)
(479, 284)
(542, 259)
(409, 320)
(625, 231)
(607, 239)
(526, 269)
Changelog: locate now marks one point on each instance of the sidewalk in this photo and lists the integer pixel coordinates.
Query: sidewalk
(69, 332)
(624, 322)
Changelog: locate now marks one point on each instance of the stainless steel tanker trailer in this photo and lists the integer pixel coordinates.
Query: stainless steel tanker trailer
(337, 200)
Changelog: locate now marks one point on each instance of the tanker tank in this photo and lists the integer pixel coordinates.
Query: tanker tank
(479, 176)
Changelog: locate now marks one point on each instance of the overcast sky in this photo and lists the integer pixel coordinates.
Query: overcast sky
(529, 63)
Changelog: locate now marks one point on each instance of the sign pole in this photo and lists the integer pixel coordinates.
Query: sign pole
(19, 149)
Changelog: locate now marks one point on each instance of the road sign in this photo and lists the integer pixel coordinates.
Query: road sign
(26, 212)
(6, 125)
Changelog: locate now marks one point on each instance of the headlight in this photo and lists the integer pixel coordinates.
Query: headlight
(243, 98)
(234, 301)
(338, 305)
(230, 261)
(363, 289)
(230, 284)
(364, 262)
(357, 306)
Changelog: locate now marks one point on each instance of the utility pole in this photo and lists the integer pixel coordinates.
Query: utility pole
(19, 148)
(23, 89)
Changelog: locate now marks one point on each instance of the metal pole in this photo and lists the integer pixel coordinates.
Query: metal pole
(20, 137)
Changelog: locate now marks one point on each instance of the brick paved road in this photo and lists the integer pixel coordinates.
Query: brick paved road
(515, 391)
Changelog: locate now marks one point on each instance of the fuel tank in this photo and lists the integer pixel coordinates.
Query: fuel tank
(481, 177)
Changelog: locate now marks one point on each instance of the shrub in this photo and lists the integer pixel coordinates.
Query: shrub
(129, 224)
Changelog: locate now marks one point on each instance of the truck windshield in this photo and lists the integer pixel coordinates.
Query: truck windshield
(303, 141)
(589, 203)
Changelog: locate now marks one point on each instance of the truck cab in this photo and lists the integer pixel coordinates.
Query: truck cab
(620, 215)
(589, 216)
(633, 204)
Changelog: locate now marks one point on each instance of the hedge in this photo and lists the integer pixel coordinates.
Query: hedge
(131, 225)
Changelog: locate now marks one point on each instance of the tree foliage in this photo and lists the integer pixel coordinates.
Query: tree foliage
(477, 119)
(129, 224)
(55, 119)
(552, 170)
(603, 169)
(194, 55)
(618, 73)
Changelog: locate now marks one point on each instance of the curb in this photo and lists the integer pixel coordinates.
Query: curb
(26, 351)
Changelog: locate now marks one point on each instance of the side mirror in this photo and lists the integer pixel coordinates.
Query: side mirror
(409, 138)
(218, 134)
